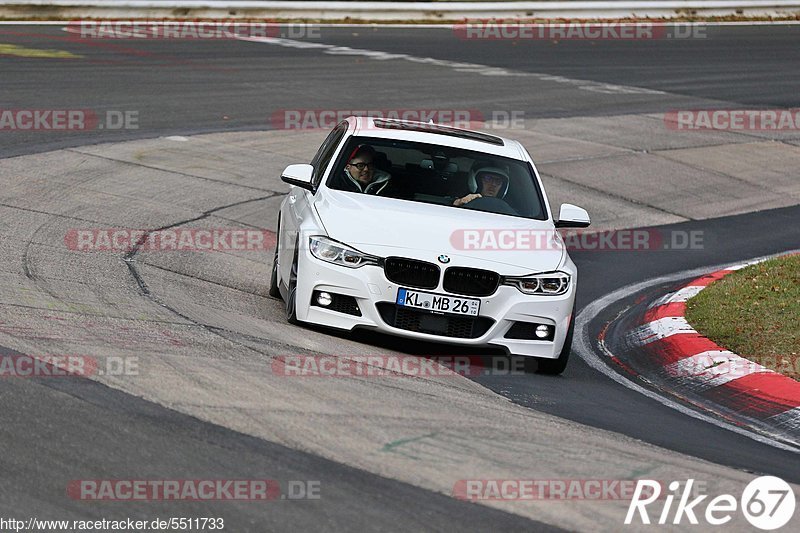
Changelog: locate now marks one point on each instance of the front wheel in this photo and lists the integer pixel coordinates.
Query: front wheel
(553, 367)
(274, 290)
(291, 294)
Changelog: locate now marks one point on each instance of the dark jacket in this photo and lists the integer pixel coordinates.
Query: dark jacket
(379, 186)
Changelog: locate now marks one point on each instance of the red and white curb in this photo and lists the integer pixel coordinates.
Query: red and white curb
(695, 364)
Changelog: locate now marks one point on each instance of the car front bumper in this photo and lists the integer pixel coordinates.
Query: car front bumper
(369, 287)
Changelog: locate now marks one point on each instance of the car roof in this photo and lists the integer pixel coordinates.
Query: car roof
(409, 130)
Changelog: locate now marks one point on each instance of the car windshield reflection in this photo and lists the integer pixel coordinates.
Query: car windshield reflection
(441, 175)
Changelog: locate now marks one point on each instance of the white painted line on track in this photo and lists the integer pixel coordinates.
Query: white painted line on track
(711, 369)
(458, 66)
(684, 294)
(660, 329)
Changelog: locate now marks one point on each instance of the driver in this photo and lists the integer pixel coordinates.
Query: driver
(487, 181)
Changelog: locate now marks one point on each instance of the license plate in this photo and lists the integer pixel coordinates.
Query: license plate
(438, 303)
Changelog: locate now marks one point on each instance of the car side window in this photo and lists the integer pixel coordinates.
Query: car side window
(326, 151)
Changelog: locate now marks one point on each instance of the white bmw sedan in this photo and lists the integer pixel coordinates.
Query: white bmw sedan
(428, 232)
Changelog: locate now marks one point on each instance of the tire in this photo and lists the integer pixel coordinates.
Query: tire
(554, 367)
(291, 294)
(274, 290)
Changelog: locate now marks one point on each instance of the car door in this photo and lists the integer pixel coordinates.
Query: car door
(298, 203)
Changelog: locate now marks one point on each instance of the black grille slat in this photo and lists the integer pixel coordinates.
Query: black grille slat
(521, 331)
(526, 331)
(471, 281)
(411, 273)
(462, 327)
(345, 304)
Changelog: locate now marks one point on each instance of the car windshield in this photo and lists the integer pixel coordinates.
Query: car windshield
(441, 175)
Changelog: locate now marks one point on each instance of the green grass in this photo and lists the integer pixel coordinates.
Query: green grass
(755, 312)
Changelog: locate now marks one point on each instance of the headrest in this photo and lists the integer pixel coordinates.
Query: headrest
(427, 164)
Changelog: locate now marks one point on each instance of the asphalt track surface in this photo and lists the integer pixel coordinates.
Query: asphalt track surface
(192, 87)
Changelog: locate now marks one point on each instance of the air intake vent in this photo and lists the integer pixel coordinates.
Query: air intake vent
(460, 327)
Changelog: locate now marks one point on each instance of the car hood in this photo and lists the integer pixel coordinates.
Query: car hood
(388, 226)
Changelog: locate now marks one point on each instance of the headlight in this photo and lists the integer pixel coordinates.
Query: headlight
(546, 283)
(337, 253)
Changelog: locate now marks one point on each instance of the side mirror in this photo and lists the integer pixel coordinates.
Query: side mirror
(299, 175)
(572, 216)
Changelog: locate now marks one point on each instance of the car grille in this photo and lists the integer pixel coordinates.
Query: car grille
(411, 273)
(471, 281)
(462, 327)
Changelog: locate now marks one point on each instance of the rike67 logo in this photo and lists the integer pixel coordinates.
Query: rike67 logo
(767, 503)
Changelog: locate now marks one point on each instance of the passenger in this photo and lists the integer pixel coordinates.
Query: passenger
(360, 174)
(487, 181)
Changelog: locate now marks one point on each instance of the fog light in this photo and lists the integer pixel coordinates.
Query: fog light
(542, 331)
(324, 299)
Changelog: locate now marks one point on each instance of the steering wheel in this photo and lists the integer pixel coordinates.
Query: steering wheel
(491, 205)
